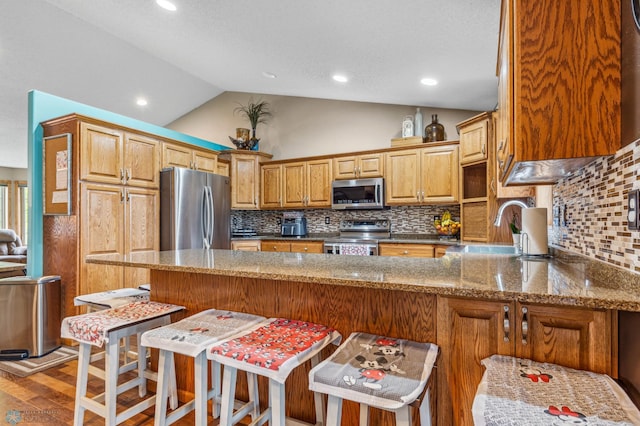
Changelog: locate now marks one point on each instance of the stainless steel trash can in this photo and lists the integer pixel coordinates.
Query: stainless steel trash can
(29, 316)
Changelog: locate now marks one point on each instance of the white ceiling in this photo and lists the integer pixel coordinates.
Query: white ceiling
(105, 53)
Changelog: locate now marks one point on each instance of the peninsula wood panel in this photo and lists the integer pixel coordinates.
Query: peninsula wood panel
(348, 309)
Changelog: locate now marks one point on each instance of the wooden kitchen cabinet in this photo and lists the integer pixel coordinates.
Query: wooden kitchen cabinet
(110, 155)
(481, 193)
(470, 330)
(558, 91)
(116, 220)
(292, 246)
(298, 184)
(246, 245)
(358, 166)
(270, 186)
(422, 175)
(174, 155)
(474, 139)
(440, 251)
(406, 250)
(245, 178)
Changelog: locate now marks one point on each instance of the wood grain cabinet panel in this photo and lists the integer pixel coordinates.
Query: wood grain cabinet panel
(270, 186)
(252, 245)
(473, 142)
(174, 155)
(422, 176)
(406, 250)
(101, 154)
(358, 166)
(558, 63)
(141, 161)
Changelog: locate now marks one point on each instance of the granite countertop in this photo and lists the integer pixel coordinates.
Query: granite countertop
(564, 279)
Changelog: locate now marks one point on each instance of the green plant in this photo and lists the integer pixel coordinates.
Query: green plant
(514, 224)
(255, 112)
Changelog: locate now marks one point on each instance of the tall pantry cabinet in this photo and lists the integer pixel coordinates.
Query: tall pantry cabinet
(114, 206)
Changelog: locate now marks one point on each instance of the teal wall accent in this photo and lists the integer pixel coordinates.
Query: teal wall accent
(43, 107)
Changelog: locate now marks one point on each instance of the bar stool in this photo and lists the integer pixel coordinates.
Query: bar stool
(191, 337)
(376, 371)
(271, 349)
(516, 391)
(112, 299)
(107, 327)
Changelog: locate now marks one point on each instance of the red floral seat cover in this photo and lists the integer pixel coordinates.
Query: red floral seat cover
(92, 328)
(274, 347)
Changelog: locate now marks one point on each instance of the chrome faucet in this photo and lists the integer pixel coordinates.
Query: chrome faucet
(504, 206)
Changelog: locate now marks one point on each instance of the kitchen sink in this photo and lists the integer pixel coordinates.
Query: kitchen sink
(490, 249)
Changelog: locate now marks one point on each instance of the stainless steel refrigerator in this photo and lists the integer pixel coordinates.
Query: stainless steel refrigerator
(195, 210)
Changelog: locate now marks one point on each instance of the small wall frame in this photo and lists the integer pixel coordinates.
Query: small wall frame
(56, 155)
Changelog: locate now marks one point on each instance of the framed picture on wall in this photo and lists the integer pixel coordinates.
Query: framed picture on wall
(57, 174)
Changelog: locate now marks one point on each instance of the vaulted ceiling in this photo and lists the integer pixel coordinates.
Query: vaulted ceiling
(107, 53)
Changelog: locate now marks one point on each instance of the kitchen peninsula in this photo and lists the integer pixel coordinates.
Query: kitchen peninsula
(561, 309)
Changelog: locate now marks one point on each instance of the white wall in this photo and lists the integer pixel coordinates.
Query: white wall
(8, 173)
(303, 127)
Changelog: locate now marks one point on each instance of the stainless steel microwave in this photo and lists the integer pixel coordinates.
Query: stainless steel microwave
(357, 194)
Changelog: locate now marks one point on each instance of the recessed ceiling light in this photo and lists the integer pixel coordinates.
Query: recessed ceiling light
(268, 74)
(340, 78)
(166, 4)
(429, 81)
(141, 102)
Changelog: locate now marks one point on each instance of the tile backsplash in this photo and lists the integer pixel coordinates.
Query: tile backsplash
(404, 220)
(595, 199)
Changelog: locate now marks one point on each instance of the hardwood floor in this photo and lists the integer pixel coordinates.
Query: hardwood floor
(47, 398)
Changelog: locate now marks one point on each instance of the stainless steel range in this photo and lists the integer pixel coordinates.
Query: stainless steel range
(359, 237)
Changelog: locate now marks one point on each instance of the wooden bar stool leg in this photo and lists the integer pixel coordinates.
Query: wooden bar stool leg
(425, 410)
(228, 388)
(173, 385)
(84, 357)
(318, 400)
(364, 415)
(216, 386)
(277, 398)
(142, 365)
(334, 410)
(112, 355)
(403, 416)
(165, 361)
(200, 388)
(254, 397)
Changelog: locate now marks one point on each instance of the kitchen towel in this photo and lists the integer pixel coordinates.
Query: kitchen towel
(354, 249)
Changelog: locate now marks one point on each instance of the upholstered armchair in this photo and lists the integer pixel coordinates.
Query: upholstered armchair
(11, 248)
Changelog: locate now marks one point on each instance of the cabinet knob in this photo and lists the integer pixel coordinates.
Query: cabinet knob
(405, 252)
(305, 249)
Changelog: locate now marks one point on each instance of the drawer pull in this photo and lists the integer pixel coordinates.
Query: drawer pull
(525, 325)
(505, 324)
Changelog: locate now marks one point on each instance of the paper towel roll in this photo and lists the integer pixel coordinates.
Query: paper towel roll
(534, 225)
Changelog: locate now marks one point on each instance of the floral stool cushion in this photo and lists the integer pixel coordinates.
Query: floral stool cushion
(375, 370)
(194, 334)
(516, 391)
(93, 328)
(274, 347)
(112, 298)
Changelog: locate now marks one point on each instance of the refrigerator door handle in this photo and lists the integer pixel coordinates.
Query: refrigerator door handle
(212, 217)
(206, 212)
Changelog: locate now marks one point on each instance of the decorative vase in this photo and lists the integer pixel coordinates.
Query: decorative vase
(434, 131)
(242, 134)
(417, 124)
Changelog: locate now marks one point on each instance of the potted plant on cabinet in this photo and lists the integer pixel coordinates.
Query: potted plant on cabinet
(256, 113)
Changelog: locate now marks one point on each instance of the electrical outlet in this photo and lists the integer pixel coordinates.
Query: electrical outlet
(563, 215)
(632, 209)
(436, 218)
(279, 221)
(327, 220)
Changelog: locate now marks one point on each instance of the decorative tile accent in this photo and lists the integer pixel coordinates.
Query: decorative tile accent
(596, 209)
(404, 220)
